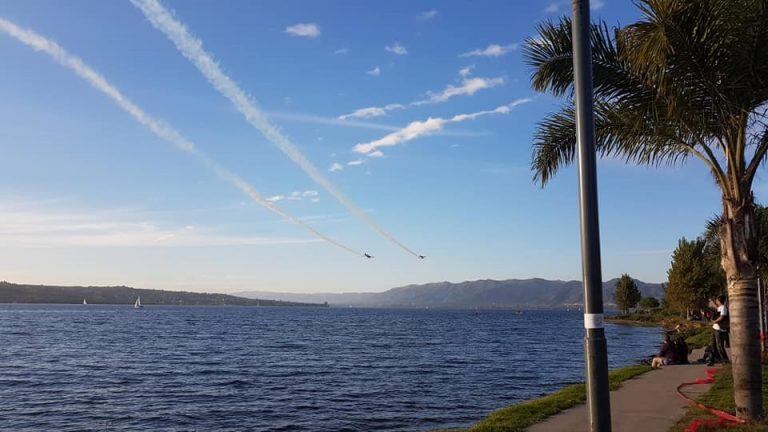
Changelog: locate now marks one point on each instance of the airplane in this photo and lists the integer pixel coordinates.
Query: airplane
(422, 256)
(367, 255)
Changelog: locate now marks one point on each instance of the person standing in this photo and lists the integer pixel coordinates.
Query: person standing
(720, 328)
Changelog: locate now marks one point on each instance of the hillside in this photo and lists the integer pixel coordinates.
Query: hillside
(16, 293)
(511, 293)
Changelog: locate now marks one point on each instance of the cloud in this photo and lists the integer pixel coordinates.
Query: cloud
(296, 196)
(307, 118)
(468, 87)
(596, 4)
(375, 71)
(371, 112)
(355, 162)
(396, 48)
(493, 50)
(428, 15)
(552, 8)
(308, 30)
(47, 227)
(467, 71)
(336, 167)
(342, 51)
(427, 127)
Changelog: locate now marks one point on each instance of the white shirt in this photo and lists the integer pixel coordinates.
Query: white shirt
(723, 311)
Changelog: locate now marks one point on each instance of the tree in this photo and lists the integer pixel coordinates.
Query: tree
(626, 295)
(692, 278)
(648, 303)
(689, 79)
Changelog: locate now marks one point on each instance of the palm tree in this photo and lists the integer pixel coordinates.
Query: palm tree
(690, 78)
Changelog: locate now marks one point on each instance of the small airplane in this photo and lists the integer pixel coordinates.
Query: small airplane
(422, 256)
(367, 255)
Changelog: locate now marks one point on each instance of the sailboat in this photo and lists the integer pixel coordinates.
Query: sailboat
(85, 302)
(138, 303)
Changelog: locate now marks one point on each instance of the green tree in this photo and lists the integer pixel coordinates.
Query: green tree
(626, 295)
(692, 278)
(648, 303)
(688, 79)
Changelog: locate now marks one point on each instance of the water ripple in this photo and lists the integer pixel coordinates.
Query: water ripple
(110, 368)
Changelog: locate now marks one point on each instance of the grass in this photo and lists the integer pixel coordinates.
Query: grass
(520, 416)
(720, 396)
(699, 337)
(652, 317)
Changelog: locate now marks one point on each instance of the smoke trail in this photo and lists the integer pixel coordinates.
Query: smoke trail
(192, 49)
(162, 130)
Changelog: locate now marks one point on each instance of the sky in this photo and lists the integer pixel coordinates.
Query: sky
(419, 113)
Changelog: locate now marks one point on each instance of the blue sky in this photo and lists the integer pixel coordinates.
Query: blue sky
(90, 196)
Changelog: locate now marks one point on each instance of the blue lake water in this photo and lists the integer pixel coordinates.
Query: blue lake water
(115, 368)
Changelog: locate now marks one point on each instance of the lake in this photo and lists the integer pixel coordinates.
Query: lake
(115, 368)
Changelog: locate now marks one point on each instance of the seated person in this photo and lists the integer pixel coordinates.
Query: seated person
(667, 354)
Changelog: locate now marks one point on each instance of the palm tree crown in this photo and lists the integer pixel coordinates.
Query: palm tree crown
(690, 78)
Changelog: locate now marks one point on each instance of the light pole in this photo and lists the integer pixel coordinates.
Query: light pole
(595, 346)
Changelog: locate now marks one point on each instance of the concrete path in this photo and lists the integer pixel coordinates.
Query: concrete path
(648, 403)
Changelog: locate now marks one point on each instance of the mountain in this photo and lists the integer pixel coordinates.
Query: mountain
(16, 293)
(511, 293)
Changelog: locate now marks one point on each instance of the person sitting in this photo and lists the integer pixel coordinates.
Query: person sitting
(667, 355)
(680, 347)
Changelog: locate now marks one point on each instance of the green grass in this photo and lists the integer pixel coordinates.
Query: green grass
(520, 416)
(720, 396)
(699, 338)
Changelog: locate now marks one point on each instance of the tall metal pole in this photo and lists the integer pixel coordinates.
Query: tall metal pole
(761, 309)
(595, 346)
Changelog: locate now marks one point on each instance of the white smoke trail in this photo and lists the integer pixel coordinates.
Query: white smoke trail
(192, 48)
(162, 130)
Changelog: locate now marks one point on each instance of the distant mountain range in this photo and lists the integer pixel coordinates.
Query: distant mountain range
(510, 293)
(15, 293)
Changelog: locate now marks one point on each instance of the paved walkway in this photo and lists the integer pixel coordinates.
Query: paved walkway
(648, 403)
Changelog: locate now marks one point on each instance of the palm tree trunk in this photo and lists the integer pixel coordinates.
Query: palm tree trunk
(738, 240)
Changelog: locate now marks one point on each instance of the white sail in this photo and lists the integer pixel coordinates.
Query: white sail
(138, 303)
(85, 302)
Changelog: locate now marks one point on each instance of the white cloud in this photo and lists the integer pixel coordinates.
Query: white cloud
(306, 118)
(46, 227)
(336, 167)
(493, 50)
(296, 195)
(342, 51)
(428, 15)
(469, 86)
(371, 112)
(376, 154)
(355, 162)
(427, 127)
(396, 48)
(552, 8)
(375, 71)
(467, 71)
(307, 30)
(596, 4)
